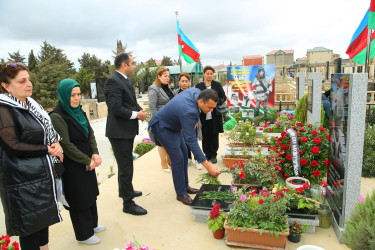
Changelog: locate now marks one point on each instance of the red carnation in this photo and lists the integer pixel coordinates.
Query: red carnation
(300, 152)
(326, 162)
(302, 130)
(260, 201)
(275, 199)
(264, 193)
(327, 136)
(316, 173)
(314, 132)
(241, 174)
(285, 147)
(322, 129)
(272, 175)
(299, 124)
(231, 168)
(303, 162)
(289, 157)
(286, 176)
(315, 150)
(317, 140)
(324, 184)
(304, 139)
(260, 128)
(270, 129)
(314, 163)
(286, 190)
(294, 128)
(265, 171)
(306, 185)
(281, 161)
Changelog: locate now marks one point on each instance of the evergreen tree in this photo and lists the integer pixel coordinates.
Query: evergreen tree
(83, 77)
(16, 57)
(151, 63)
(120, 48)
(167, 61)
(92, 65)
(54, 56)
(32, 62)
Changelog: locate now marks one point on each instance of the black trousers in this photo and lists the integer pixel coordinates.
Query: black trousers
(123, 151)
(34, 241)
(84, 221)
(210, 141)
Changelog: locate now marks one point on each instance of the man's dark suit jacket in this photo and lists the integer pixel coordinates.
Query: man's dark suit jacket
(121, 101)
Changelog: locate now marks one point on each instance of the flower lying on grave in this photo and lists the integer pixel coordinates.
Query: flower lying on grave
(313, 150)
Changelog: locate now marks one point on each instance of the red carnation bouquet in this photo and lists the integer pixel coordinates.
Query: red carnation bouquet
(5, 243)
(313, 142)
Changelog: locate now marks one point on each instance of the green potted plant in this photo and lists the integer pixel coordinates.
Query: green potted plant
(295, 231)
(258, 219)
(216, 222)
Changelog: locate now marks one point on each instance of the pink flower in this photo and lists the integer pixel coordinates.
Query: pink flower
(234, 190)
(243, 197)
(144, 247)
(361, 198)
(130, 246)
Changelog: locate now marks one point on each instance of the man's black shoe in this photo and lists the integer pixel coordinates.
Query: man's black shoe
(134, 209)
(214, 160)
(137, 193)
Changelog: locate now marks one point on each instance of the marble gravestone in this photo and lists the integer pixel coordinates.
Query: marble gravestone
(315, 92)
(347, 126)
(300, 85)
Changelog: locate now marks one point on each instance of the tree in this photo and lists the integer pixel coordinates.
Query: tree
(83, 77)
(120, 48)
(92, 65)
(32, 62)
(54, 56)
(151, 63)
(16, 57)
(199, 61)
(167, 61)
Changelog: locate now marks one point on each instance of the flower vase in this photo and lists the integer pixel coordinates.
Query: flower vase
(294, 238)
(325, 217)
(219, 234)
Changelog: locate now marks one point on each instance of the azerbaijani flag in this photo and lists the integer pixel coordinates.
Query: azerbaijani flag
(357, 46)
(186, 47)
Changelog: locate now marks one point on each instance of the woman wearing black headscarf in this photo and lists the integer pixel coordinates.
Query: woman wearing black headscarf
(81, 157)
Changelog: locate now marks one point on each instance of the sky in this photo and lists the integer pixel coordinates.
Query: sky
(222, 31)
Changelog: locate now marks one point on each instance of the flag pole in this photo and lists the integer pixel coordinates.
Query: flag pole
(179, 56)
(368, 51)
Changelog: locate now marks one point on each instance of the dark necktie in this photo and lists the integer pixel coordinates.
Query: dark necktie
(131, 87)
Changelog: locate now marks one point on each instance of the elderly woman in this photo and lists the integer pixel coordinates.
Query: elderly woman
(212, 123)
(160, 94)
(81, 157)
(29, 146)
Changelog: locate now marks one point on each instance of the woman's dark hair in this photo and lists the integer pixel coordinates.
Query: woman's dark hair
(186, 74)
(208, 94)
(120, 58)
(9, 71)
(208, 67)
(258, 76)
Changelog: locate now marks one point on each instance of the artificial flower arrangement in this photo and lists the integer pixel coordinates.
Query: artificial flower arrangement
(263, 211)
(313, 144)
(259, 170)
(216, 219)
(5, 243)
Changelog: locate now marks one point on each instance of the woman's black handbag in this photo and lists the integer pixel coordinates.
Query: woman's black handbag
(58, 169)
(221, 109)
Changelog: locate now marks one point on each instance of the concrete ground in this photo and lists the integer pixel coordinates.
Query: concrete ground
(168, 224)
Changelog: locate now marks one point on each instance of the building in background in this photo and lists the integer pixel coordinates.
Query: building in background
(252, 60)
(281, 58)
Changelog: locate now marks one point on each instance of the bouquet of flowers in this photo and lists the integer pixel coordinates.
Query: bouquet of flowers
(216, 218)
(313, 144)
(5, 243)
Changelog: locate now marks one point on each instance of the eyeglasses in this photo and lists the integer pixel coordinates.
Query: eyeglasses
(15, 65)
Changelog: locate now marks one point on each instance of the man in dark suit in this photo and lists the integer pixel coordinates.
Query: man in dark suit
(122, 127)
(182, 114)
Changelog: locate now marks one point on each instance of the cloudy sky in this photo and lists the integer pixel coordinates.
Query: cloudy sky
(223, 31)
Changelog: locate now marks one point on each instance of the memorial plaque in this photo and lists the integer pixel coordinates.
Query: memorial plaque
(338, 137)
(297, 88)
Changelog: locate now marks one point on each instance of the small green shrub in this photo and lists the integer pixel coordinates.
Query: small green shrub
(359, 231)
(368, 166)
(143, 147)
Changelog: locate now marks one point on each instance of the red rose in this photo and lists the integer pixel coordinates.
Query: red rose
(275, 199)
(302, 130)
(300, 152)
(324, 184)
(260, 201)
(260, 128)
(270, 129)
(300, 124)
(264, 193)
(286, 190)
(231, 168)
(314, 132)
(314, 163)
(316, 173)
(281, 161)
(322, 129)
(286, 176)
(326, 162)
(315, 150)
(291, 118)
(304, 139)
(306, 185)
(317, 140)
(303, 162)
(289, 157)
(265, 171)
(294, 128)
(310, 125)
(285, 147)
(272, 175)
(327, 136)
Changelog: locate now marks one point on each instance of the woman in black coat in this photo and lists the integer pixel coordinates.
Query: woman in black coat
(81, 157)
(212, 123)
(29, 146)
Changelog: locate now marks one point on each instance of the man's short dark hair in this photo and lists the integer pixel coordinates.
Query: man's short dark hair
(208, 94)
(120, 58)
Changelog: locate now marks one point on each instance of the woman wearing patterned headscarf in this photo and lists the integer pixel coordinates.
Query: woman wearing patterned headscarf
(81, 157)
(29, 147)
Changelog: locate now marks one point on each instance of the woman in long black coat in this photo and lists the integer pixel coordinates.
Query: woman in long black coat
(81, 156)
(212, 123)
